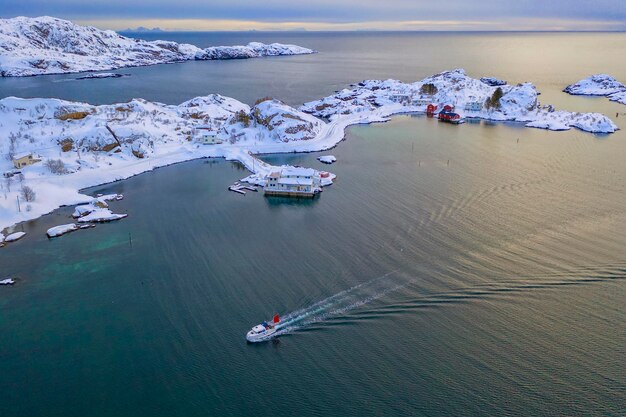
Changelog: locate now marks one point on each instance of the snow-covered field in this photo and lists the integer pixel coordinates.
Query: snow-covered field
(47, 45)
(82, 145)
(599, 85)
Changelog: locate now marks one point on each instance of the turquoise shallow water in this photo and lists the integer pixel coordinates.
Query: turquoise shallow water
(465, 272)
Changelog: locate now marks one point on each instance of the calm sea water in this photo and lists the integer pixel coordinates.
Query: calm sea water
(476, 269)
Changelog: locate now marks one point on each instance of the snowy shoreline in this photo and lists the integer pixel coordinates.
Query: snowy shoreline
(95, 145)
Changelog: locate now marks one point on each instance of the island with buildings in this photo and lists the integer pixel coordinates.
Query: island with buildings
(55, 148)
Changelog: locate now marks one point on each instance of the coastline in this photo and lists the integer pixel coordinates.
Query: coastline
(293, 131)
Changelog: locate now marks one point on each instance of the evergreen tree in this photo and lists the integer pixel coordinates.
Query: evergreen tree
(494, 101)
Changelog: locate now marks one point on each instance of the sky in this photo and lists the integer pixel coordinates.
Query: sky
(331, 14)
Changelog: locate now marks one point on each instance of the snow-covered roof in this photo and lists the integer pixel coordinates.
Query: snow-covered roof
(298, 172)
(22, 155)
(296, 181)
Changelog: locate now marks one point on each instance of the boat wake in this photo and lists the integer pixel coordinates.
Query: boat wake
(338, 304)
(367, 292)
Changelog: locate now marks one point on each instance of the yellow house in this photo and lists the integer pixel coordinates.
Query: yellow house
(22, 160)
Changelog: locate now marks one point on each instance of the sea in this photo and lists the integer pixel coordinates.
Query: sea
(450, 270)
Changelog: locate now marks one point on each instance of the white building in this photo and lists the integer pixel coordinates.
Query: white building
(293, 182)
(473, 105)
(24, 159)
(206, 136)
(422, 101)
(401, 98)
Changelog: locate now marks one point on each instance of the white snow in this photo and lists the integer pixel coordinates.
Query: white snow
(47, 45)
(596, 85)
(102, 75)
(82, 210)
(327, 159)
(14, 236)
(599, 85)
(100, 144)
(8, 281)
(518, 103)
(101, 215)
(620, 97)
(61, 229)
(492, 81)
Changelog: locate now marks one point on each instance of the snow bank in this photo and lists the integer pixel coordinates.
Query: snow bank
(327, 159)
(46, 45)
(14, 236)
(101, 215)
(61, 230)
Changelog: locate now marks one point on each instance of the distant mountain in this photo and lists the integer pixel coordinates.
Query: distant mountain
(47, 45)
(142, 29)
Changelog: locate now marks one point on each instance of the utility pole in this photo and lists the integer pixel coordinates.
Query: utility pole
(19, 209)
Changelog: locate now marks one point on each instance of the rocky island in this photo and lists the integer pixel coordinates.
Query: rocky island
(599, 85)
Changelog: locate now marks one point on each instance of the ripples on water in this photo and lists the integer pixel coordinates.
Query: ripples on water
(450, 270)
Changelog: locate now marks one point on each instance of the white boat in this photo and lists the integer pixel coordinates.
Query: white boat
(262, 332)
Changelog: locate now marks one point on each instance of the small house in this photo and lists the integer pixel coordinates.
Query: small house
(450, 117)
(23, 160)
(422, 101)
(431, 109)
(401, 98)
(206, 136)
(293, 182)
(473, 105)
(448, 108)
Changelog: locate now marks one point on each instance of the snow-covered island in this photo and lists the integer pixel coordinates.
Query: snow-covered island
(47, 45)
(66, 146)
(599, 85)
(100, 75)
(468, 96)
(60, 230)
(327, 159)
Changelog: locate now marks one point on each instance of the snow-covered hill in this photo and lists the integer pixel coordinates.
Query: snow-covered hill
(599, 85)
(47, 45)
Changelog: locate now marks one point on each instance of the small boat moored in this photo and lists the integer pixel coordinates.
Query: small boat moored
(262, 332)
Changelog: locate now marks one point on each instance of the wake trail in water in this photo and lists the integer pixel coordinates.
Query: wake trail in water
(337, 304)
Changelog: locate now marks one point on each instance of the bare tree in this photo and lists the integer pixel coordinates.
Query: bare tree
(28, 194)
(56, 166)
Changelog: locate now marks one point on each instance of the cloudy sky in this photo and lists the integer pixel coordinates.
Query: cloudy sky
(332, 14)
